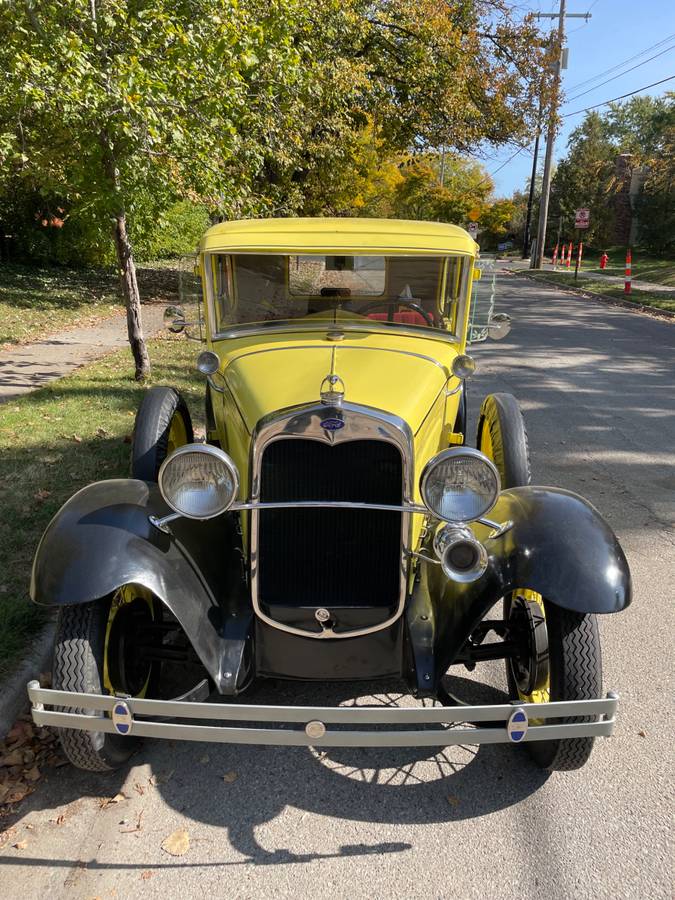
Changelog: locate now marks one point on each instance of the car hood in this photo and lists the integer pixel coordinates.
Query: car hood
(401, 376)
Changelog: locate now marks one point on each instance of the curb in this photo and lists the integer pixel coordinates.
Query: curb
(14, 699)
(643, 308)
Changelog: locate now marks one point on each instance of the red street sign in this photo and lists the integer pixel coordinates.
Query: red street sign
(582, 218)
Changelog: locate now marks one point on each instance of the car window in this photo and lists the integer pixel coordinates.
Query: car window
(420, 291)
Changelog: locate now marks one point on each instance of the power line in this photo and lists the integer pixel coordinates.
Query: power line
(614, 99)
(620, 74)
(620, 65)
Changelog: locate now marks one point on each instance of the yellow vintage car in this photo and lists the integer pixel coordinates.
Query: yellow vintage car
(335, 525)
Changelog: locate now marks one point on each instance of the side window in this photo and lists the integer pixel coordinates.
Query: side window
(222, 289)
(453, 291)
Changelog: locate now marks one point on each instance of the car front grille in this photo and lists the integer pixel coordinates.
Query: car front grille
(329, 557)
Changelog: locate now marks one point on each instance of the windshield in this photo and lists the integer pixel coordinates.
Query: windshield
(419, 291)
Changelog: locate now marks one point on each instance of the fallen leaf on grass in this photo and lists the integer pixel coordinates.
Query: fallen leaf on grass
(77, 439)
(177, 843)
(14, 758)
(230, 777)
(126, 439)
(103, 432)
(42, 495)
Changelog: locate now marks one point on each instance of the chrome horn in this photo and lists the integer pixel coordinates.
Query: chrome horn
(462, 556)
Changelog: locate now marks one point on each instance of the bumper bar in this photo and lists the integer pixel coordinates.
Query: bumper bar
(301, 726)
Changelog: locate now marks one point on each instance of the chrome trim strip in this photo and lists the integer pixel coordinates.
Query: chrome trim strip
(361, 423)
(302, 716)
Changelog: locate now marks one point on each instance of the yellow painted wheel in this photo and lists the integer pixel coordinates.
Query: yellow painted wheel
(177, 434)
(529, 675)
(131, 615)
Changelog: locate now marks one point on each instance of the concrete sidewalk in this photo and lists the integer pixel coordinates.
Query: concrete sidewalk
(29, 366)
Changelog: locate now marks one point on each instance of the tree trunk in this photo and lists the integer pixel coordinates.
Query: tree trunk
(132, 298)
(126, 267)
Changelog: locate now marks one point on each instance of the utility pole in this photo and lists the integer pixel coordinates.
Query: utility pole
(562, 14)
(530, 199)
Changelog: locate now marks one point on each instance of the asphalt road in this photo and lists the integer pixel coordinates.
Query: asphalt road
(598, 389)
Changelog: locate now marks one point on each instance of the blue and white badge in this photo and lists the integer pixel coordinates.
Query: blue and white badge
(122, 718)
(332, 424)
(517, 726)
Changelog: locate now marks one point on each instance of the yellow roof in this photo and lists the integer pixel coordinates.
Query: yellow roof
(349, 236)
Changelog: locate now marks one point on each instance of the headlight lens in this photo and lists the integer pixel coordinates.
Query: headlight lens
(459, 485)
(199, 481)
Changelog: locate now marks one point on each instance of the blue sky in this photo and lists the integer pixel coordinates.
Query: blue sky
(618, 29)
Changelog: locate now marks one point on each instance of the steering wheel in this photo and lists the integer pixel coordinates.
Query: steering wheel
(390, 304)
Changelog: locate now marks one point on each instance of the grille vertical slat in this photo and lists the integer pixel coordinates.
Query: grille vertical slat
(330, 557)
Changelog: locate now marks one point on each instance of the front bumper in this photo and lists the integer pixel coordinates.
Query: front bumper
(344, 726)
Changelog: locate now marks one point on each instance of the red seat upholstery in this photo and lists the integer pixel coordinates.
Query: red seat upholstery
(405, 317)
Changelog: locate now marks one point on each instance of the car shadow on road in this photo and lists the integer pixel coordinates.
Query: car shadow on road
(238, 788)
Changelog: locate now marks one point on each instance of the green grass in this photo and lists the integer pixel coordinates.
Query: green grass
(610, 289)
(35, 302)
(58, 439)
(38, 301)
(644, 267)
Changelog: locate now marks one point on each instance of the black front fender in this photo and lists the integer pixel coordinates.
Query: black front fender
(102, 539)
(559, 545)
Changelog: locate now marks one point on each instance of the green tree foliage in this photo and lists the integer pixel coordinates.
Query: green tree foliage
(642, 129)
(584, 178)
(118, 109)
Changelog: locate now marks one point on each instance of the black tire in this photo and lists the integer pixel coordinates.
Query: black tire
(460, 421)
(575, 671)
(154, 418)
(211, 428)
(508, 446)
(78, 666)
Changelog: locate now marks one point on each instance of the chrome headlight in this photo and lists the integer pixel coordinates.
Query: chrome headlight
(459, 484)
(199, 481)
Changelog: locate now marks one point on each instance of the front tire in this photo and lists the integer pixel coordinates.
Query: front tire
(502, 437)
(89, 658)
(574, 673)
(163, 424)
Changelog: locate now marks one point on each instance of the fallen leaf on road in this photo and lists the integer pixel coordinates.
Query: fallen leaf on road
(642, 733)
(452, 800)
(204, 759)
(229, 777)
(105, 802)
(177, 843)
(20, 845)
(147, 874)
(139, 789)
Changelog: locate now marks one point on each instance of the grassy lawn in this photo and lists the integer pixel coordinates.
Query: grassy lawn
(611, 289)
(645, 268)
(35, 302)
(58, 439)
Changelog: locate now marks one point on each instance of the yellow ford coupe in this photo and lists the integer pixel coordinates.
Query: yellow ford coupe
(336, 525)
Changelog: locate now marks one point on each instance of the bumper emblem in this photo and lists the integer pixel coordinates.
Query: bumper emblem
(516, 727)
(122, 718)
(315, 729)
